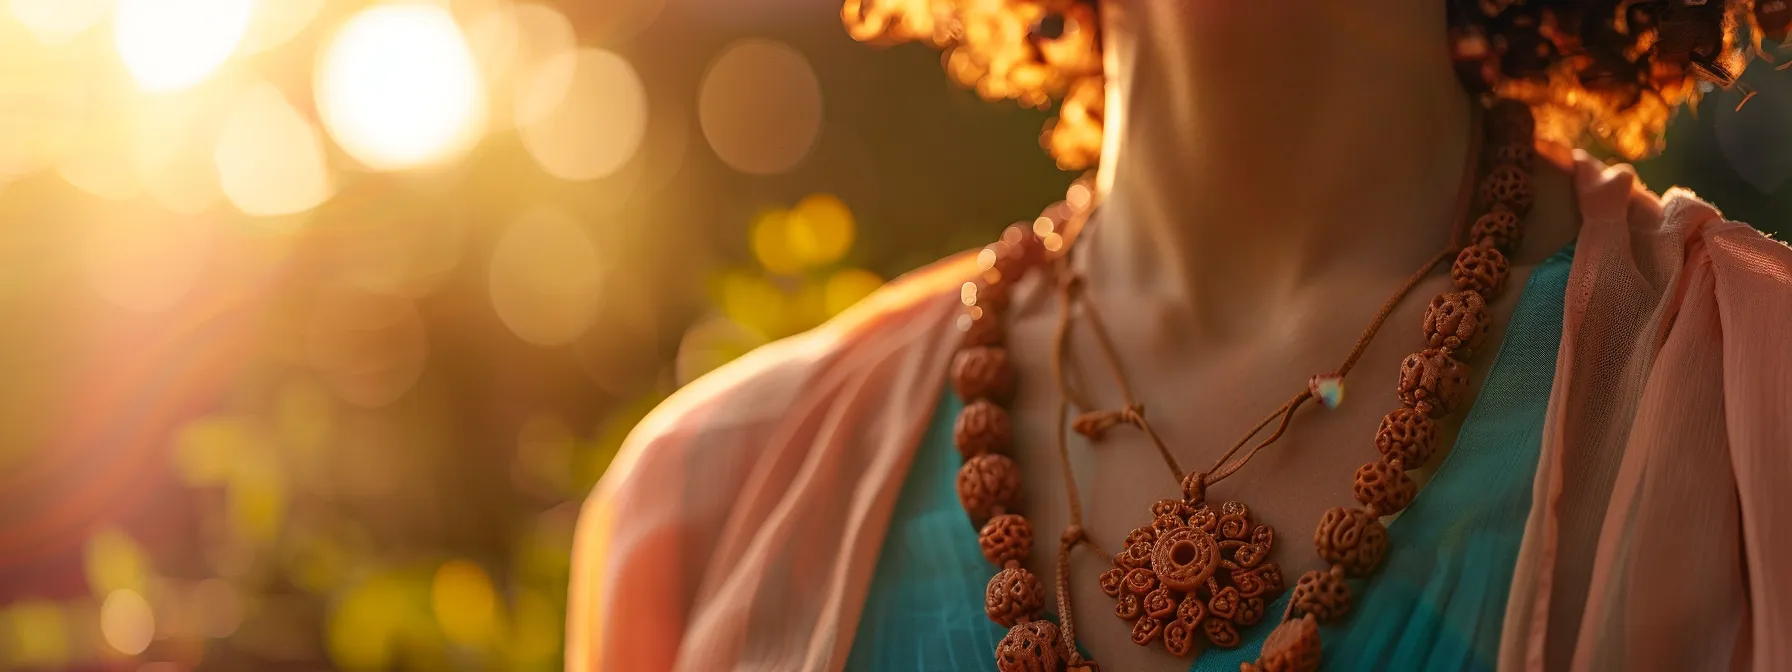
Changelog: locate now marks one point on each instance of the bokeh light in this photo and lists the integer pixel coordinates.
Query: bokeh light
(543, 38)
(397, 87)
(113, 561)
(544, 278)
(760, 107)
(35, 633)
(127, 622)
(464, 602)
(273, 22)
(599, 122)
(269, 158)
(847, 287)
(144, 259)
(173, 44)
(56, 21)
(172, 155)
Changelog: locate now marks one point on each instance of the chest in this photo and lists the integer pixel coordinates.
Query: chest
(1200, 404)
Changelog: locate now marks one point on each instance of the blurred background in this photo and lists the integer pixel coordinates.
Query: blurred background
(318, 318)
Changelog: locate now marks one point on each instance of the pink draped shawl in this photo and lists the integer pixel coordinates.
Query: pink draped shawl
(740, 526)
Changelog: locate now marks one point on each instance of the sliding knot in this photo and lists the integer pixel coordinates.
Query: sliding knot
(1094, 423)
(1074, 535)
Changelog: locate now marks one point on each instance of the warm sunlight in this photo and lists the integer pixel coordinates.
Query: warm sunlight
(398, 87)
(174, 44)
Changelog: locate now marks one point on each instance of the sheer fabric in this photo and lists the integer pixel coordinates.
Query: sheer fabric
(740, 526)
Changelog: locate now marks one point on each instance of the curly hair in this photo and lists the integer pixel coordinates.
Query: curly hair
(1607, 71)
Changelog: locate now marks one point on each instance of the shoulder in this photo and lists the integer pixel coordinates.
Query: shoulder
(1675, 229)
(745, 400)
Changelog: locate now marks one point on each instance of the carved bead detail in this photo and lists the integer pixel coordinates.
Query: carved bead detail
(1127, 606)
(1432, 382)
(1158, 604)
(1510, 120)
(1508, 184)
(1113, 581)
(1384, 486)
(1221, 632)
(1513, 152)
(1250, 611)
(1032, 646)
(1184, 558)
(1292, 647)
(1172, 507)
(1408, 435)
(1204, 519)
(982, 373)
(1480, 268)
(1140, 581)
(1145, 535)
(982, 427)
(1322, 594)
(1457, 321)
(1136, 555)
(1352, 538)
(986, 483)
(1013, 595)
(1006, 538)
(1192, 610)
(1179, 638)
(1499, 228)
(1146, 629)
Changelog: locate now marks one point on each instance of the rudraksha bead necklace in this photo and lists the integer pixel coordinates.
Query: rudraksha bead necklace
(1200, 569)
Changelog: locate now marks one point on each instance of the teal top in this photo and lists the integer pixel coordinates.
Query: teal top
(1437, 603)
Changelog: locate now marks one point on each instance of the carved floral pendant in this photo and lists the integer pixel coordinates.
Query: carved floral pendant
(1194, 571)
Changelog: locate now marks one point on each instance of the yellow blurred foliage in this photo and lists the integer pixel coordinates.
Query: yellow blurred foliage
(365, 628)
(464, 603)
(114, 561)
(819, 230)
(848, 286)
(206, 449)
(535, 643)
(36, 634)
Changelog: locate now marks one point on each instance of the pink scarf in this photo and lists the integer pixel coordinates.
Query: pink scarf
(740, 526)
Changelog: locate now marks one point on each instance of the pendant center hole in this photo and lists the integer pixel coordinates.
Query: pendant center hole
(1182, 553)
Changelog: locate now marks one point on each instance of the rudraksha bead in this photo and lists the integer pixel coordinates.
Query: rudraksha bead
(1158, 604)
(982, 373)
(989, 295)
(1179, 638)
(1006, 538)
(1013, 595)
(1500, 228)
(1146, 629)
(985, 328)
(1113, 581)
(1513, 152)
(982, 427)
(986, 483)
(1510, 185)
(1383, 486)
(1510, 119)
(1457, 321)
(1408, 435)
(1032, 646)
(1292, 647)
(1221, 632)
(1432, 382)
(1352, 538)
(1775, 19)
(1481, 269)
(1322, 594)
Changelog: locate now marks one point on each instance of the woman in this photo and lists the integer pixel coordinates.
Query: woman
(1603, 470)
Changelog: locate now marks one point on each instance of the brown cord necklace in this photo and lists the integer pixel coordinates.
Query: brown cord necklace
(1197, 569)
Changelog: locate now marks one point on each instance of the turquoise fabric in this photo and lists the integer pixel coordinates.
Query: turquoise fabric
(1437, 602)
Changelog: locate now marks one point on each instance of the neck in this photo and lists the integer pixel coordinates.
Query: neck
(1250, 161)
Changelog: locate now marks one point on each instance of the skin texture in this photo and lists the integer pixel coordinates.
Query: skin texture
(1259, 202)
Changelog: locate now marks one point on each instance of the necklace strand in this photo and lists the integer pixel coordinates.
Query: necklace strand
(1352, 540)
